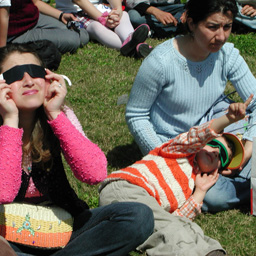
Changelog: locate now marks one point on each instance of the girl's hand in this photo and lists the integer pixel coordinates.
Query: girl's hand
(55, 94)
(113, 19)
(8, 108)
(237, 111)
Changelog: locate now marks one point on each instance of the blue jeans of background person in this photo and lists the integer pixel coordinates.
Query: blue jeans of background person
(228, 193)
(115, 229)
(158, 29)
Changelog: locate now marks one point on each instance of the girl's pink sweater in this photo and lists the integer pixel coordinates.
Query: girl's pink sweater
(85, 158)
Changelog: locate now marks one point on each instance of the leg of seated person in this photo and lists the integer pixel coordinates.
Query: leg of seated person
(172, 235)
(115, 229)
(125, 28)
(53, 30)
(104, 35)
(136, 19)
(5, 248)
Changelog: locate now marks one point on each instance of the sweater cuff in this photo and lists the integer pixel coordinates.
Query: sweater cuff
(11, 131)
(58, 121)
(141, 8)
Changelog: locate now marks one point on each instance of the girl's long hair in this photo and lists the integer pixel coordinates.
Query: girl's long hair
(43, 143)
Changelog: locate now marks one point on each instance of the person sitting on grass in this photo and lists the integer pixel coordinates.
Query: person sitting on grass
(174, 178)
(163, 16)
(109, 25)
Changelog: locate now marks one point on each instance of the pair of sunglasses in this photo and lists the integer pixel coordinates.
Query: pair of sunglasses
(223, 153)
(17, 73)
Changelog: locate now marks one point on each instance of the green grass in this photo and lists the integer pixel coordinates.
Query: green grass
(100, 76)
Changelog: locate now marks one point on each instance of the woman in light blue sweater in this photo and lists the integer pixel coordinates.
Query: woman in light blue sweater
(180, 81)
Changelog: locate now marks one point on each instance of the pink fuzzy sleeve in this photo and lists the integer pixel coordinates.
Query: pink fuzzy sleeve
(85, 158)
(10, 163)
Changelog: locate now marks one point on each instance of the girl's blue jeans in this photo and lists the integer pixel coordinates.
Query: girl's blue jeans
(115, 229)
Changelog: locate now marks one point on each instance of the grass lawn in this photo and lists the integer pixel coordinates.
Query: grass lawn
(102, 80)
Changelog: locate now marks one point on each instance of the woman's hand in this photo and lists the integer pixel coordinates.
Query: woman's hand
(8, 108)
(55, 95)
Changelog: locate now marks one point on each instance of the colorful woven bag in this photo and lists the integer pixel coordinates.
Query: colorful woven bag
(37, 226)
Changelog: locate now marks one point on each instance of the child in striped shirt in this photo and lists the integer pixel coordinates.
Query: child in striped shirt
(175, 177)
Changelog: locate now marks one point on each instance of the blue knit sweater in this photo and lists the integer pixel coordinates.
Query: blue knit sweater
(170, 93)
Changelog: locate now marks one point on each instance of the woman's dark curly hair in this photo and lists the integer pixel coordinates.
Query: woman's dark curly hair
(199, 10)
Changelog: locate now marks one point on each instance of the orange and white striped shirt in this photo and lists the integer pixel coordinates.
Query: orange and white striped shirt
(168, 172)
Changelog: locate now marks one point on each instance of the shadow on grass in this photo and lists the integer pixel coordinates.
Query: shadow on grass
(123, 156)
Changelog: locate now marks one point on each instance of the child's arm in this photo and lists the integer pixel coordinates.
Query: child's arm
(88, 8)
(236, 112)
(4, 20)
(117, 5)
(53, 12)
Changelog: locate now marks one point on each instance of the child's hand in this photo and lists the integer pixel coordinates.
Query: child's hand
(236, 111)
(204, 181)
(113, 19)
(8, 108)
(55, 94)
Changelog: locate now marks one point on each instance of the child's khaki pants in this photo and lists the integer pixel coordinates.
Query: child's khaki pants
(173, 235)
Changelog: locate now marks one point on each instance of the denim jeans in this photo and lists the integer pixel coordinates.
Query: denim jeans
(228, 193)
(115, 229)
(156, 26)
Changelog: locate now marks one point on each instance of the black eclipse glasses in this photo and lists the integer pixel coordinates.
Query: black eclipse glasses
(17, 73)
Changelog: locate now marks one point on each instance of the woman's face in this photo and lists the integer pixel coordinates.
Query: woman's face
(211, 34)
(27, 93)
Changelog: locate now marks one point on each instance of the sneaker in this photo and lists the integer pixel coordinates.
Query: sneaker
(139, 35)
(143, 50)
(216, 253)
